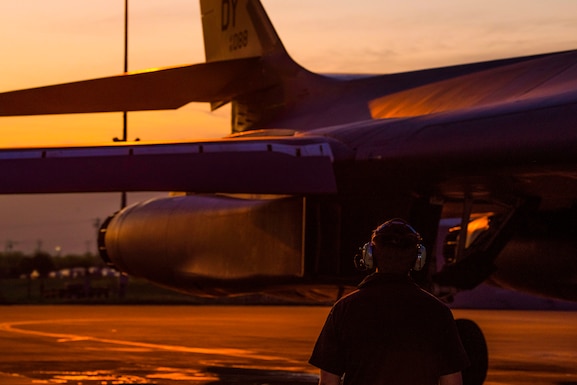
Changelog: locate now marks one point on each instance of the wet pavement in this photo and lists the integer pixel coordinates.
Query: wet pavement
(164, 345)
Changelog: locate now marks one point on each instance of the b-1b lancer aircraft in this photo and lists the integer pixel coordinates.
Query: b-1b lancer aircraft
(315, 162)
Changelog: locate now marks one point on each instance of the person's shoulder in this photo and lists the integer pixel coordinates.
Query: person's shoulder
(352, 302)
(344, 300)
(431, 301)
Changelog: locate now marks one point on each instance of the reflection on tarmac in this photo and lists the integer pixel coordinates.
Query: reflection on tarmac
(108, 345)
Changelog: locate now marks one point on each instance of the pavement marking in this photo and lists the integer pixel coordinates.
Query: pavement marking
(12, 327)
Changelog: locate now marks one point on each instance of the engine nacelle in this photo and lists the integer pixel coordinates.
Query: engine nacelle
(189, 242)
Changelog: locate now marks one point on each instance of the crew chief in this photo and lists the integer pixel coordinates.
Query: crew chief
(390, 331)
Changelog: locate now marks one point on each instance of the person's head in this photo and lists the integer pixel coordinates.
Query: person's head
(395, 247)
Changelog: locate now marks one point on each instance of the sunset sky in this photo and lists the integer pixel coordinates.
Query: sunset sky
(48, 42)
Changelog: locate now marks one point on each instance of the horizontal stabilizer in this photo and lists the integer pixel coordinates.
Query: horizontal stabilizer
(162, 89)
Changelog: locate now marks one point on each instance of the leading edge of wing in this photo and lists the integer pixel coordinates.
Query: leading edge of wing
(281, 166)
(154, 89)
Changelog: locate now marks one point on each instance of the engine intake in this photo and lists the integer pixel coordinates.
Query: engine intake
(184, 241)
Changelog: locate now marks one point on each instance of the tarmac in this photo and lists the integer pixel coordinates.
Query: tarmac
(167, 345)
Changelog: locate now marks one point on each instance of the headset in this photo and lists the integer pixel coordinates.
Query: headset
(364, 258)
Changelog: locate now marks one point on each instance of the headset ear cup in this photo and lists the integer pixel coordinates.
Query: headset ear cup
(421, 257)
(364, 258)
(368, 255)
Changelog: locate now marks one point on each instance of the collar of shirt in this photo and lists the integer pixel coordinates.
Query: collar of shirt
(383, 278)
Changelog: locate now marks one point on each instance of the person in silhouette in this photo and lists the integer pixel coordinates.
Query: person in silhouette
(390, 331)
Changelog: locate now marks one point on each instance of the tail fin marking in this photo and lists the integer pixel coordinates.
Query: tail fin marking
(235, 29)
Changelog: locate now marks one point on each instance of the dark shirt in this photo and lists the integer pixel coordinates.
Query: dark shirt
(389, 331)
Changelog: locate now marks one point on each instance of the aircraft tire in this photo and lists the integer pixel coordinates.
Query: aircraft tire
(476, 347)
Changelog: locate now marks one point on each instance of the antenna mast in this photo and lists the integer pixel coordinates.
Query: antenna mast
(124, 113)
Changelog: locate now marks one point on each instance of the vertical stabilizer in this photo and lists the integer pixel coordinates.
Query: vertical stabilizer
(235, 29)
(241, 29)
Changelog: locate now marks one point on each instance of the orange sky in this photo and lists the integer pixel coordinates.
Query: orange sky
(46, 42)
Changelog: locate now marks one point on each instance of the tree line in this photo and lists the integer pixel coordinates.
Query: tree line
(17, 264)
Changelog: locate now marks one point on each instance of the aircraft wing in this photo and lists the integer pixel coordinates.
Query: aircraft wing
(289, 166)
(521, 147)
(471, 149)
(535, 130)
(485, 142)
(514, 124)
(155, 89)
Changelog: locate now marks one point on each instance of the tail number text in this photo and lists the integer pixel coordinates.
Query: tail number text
(238, 40)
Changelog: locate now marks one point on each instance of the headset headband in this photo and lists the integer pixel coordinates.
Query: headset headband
(364, 259)
(383, 230)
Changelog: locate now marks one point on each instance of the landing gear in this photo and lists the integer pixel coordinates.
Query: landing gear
(476, 347)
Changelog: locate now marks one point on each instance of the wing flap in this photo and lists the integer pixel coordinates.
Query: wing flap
(230, 166)
(160, 89)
